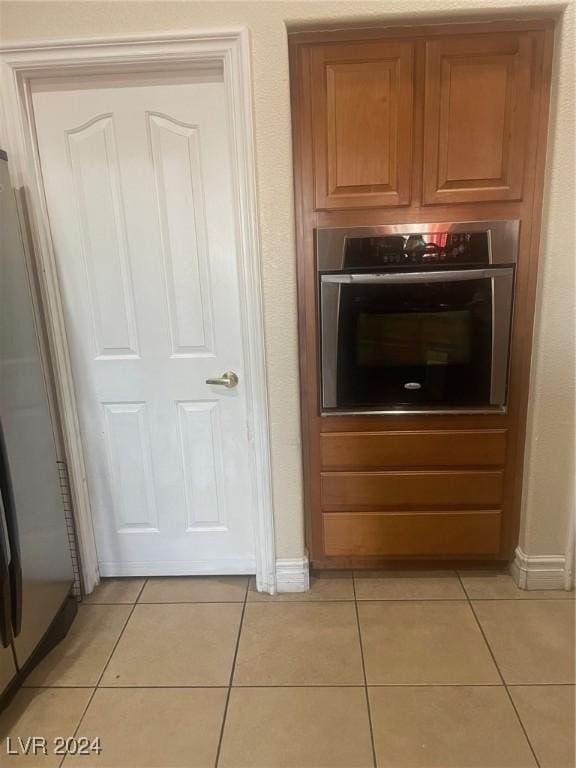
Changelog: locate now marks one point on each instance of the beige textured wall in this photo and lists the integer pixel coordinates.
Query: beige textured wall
(549, 485)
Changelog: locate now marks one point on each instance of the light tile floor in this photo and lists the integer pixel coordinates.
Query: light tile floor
(395, 670)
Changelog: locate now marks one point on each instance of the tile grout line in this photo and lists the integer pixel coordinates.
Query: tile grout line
(504, 684)
(232, 670)
(349, 600)
(299, 685)
(95, 688)
(369, 711)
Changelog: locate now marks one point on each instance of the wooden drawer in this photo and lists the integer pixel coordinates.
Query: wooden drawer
(379, 450)
(397, 490)
(411, 534)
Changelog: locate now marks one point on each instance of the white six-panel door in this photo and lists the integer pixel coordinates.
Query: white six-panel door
(139, 192)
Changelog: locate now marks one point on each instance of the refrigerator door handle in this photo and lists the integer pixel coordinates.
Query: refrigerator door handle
(11, 528)
(5, 591)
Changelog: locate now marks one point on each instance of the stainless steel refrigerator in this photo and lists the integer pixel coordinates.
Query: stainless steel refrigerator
(35, 563)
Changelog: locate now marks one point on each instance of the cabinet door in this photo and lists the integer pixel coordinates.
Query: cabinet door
(362, 105)
(476, 117)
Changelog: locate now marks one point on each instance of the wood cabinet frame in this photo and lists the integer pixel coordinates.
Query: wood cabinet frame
(527, 209)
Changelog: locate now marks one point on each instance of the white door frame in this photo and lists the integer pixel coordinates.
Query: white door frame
(19, 65)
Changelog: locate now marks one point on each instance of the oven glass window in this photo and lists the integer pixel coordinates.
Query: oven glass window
(417, 339)
(417, 345)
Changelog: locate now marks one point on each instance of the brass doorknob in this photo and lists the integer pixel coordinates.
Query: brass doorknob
(228, 380)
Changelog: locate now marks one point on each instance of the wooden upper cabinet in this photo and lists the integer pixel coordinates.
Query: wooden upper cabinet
(362, 114)
(476, 117)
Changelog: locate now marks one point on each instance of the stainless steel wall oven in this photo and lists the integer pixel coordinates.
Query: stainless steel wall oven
(416, 317)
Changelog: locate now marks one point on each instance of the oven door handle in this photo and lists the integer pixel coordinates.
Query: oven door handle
(451, 276)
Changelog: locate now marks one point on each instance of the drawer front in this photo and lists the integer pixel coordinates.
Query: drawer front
(412, 534)
(397, 490)
(379, 450)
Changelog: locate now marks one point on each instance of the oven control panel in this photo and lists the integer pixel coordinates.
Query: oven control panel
(436, 248)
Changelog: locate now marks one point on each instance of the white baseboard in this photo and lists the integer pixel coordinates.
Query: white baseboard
(538, 571)
(292, 575)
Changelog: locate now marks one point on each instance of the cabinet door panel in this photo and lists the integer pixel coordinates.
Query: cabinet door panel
(363, 111)
(476, 117)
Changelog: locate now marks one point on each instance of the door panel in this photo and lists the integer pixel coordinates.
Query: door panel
(95, 175)
(130, 460)
(176, 158)
(203, 464)
(363, 124)
(144, 226)
(476, 117)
